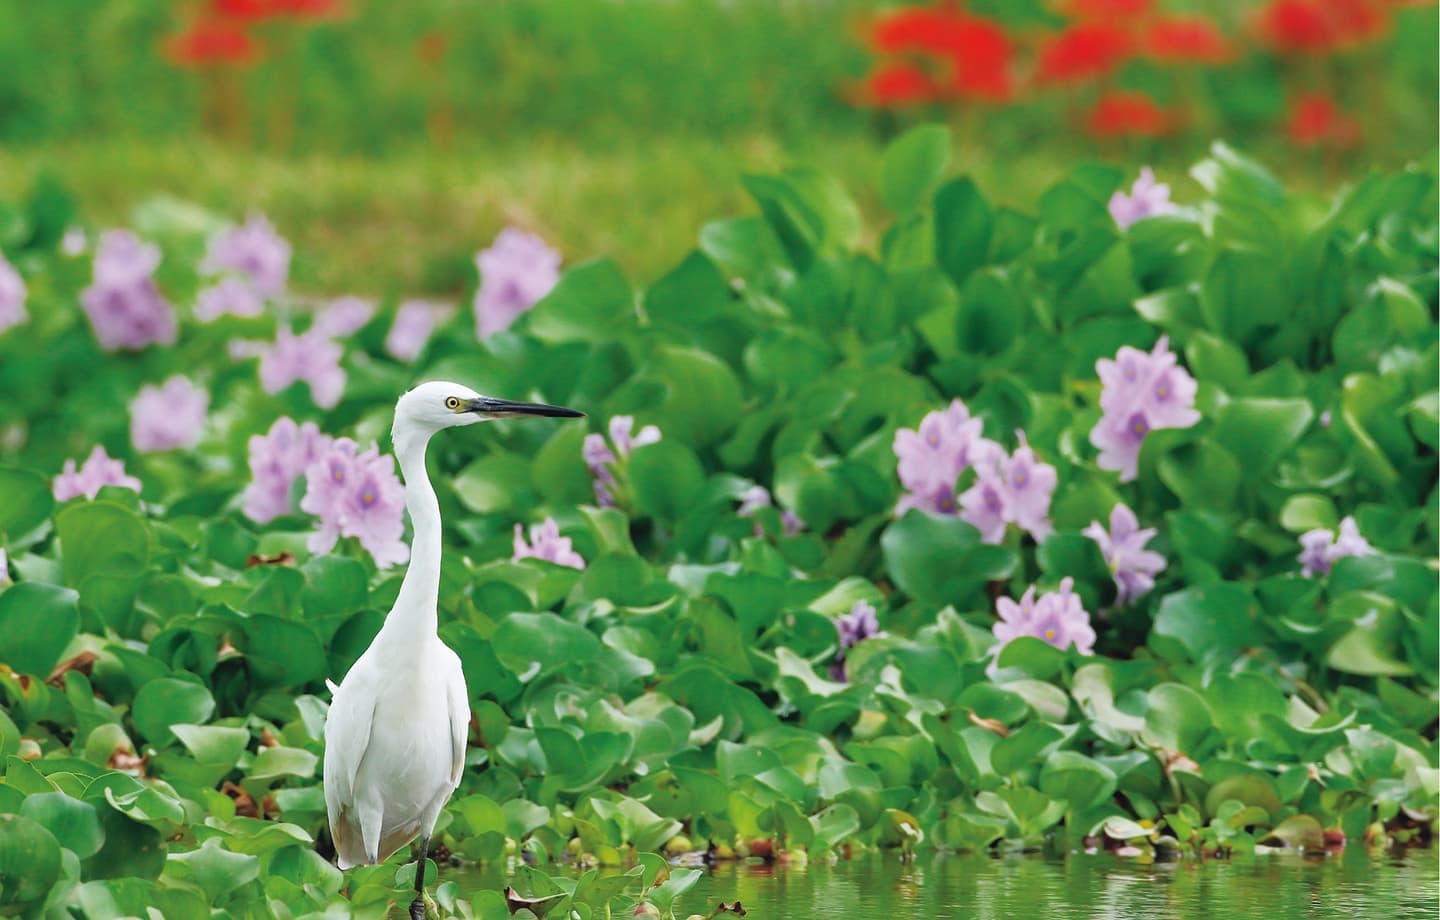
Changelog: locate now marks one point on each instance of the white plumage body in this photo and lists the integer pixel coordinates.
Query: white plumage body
(394, 747)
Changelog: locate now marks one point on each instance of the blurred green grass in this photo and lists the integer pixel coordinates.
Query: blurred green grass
(409, 222)
(611, 127)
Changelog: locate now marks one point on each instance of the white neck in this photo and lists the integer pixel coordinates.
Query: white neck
(414, 613)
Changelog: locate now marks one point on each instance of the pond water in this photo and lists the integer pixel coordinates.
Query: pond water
(1355, 885)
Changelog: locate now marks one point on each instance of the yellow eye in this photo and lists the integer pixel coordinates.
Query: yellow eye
(452, 403)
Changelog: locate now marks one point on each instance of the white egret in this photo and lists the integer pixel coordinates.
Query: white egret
(395, 736)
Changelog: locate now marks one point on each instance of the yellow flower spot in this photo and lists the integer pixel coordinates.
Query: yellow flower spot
(1050, 634)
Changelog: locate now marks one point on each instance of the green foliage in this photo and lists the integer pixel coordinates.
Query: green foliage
(164, 664)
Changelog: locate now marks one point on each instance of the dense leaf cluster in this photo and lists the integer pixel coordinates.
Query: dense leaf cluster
(164, 658)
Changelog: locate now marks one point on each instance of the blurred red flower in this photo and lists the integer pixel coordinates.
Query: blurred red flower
(1121, 113)
(1101, 9)
(1186, 40)
(1295, 25)
(208, 43)
(898, 83)
(980, 53)
(1320, 26)
(976, 52)
(910, 28)
(243, 10)
(1358, 21)
(1315, 120)
(1084, 51)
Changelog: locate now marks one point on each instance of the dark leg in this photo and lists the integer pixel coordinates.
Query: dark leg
(417, 906)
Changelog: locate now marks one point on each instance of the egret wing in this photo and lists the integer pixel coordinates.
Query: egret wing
(459, 701)
(347, 735)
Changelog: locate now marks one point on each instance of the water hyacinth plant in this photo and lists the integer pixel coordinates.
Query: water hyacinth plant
(168, 416)
(1140, 594)
(125, 307)
(606, 458)
(515, 272)
(356, 494)
(547, 544)
(98, 471)
(277, 459)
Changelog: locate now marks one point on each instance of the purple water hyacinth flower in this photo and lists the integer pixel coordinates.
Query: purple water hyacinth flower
(122, 258)
(939, 500)
(1132, 565)
(854, 627)
(415, 320)
(620, 435)
(515, 272)
(168, 416)
(125, 308)
(1315, 552)
(1147, 198)
(1029, 486)
(1057, 618)
(546, 543)
(231, 295)
(357, 495)
(1321, 549)
(343, 317)
(983, 504)
(277, 459)
(600, 460)
(603, 459)
(12, 296)
(757, 497)
(933, 456)
(1140, 392)
(1010, 490)
(254, 250)
(858, 625)
(312, 357)
(98, 471)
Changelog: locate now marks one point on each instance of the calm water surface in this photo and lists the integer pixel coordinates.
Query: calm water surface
(1355, 885)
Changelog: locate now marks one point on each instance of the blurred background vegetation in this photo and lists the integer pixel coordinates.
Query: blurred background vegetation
(391, 140)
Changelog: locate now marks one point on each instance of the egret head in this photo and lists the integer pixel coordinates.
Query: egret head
(439, 404)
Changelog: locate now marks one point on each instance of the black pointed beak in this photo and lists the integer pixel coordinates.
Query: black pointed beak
(490, 407)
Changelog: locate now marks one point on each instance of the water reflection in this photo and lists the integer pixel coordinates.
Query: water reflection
(1353, 886)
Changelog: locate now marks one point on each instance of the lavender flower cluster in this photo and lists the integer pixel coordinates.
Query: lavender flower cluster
(277, 459)
(353, 493)
(255, 253)
(415, 321)
(168, 416)
(607, 460)
(1147, 198)
(124, 305)
(357, 494)
(1014, 489)
(859, 624)
(547, 544)
(1057, 617)
(1320, 548)
(312, 358)
(1141, 392)
(515, 272)
(1133, 566)
(98, 471)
